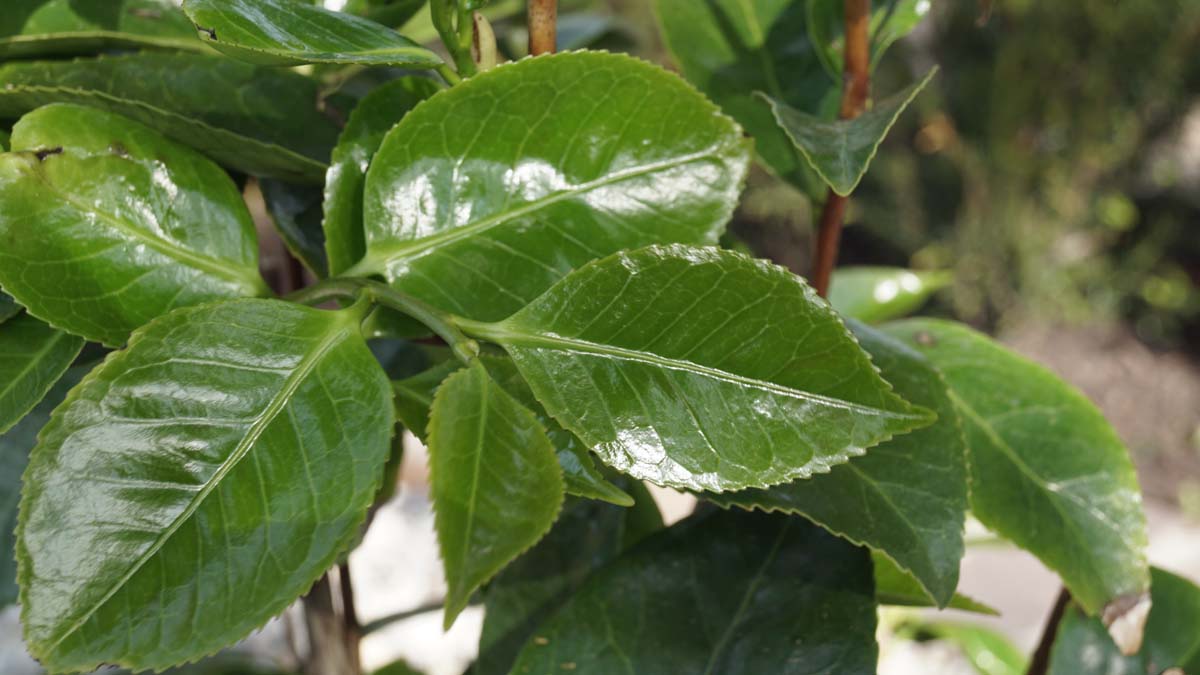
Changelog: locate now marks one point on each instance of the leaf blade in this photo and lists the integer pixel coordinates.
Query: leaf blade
(36, 28)
(876, 294)
(32, 358)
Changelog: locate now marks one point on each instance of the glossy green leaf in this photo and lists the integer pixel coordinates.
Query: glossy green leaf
(496, 486)
(701, 369)
(198, 482)
(989, 651)
(875, 294)
(388, 12)
(894, 586)
(372, 118)
(32, 28)
(907, 498)
(890, 21)
(731, 49)
(32, 358)
(840, 151)
(1172, 639)
(296, 213)
(414, 396)
(263, 121)
(15, 445)
(110, 224)
(587, 536)
(285, 32)
(489, 192)
(1047, 471)
(727, 592)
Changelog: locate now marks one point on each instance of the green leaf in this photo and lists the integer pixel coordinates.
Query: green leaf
(15, 445)
(907, 498)
(894, 586)
(397, 668)
(198, 482)
(8, 307)
(731, 49)
(414, 396)
(1172, 638)
(489, 192)
(33, 28)
(393, 13)
(701, 369)
(989, 651)
(1047, 471)
(875, 294)
(372, 118)
(587, 536)
(725, 592)
(262, 121)
(4, 139)
(890, 21)
(288, 33)
(296, 213)
(110, 224)
(840, 151)
(32, 358)
(496, 486)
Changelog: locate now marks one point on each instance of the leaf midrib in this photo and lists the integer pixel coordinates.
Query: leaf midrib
(253, 433)
(37, 357)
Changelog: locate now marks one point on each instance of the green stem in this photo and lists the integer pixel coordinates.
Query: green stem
(452, 78)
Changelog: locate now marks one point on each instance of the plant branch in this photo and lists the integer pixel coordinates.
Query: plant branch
(856, 88)
(1040, 663)
(543, 27)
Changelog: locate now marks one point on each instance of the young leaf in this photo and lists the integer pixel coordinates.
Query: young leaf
(110, 224)
(372, 118)
(890, 21)
(701, 369)
(908, 496)
(509, 180)
(840, 151)
(587, 536)
(726, 592)
(198, 482)
(33, 28)
(1047, 471)
(875, 294)
(15, 445)
(32, 358)
(496, 486)
(295, 211)
(289, 33)
(262, 121)
(894, 586)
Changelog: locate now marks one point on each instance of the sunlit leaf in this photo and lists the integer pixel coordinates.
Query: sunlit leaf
(874, 294)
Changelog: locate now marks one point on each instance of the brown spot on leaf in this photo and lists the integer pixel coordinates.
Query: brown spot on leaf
(118, 148)
(47, 152)
(925, 339)
(145, 13)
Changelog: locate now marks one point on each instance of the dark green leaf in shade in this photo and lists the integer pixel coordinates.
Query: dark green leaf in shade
(894, 586)
(701, 369)
(33, 28)
(3, 140)
(840, 151)
(198, 482)
(489, 192)
(890, 21)
(8, 307)
(1172, 638)
(296, 213)
(389, 13)
(372, 118)
(875, 294)
(725, 592)
(15, 445)
(1047, 471)
(495, 484)
(907, 498)
(32, 358)
(587, 536)
(731, 49)
(108, 224)
(262, 121)
(285, 32)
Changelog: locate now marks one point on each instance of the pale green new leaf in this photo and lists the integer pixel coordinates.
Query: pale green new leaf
(285, 32)
(32, 358)
(32, 28)
(198, 482)
(840, 151)
(875, 294)
(890, 21)
(729, 592)
(110, 224)
(701, 369)
(1047, 471)
(495, 483)
(489, 192)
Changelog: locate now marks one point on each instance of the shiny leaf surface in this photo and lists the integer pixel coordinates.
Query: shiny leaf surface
(285, 32)
(1047, 471)
(372, 118)
(840, 151)
(296, 213)
(496, 486)
(701, 369)
(890, 21)
(110, 224)
(198, 482)
(32, 28)
(875, 294)
(32, 358)
(263, 121)
(727, 592)
(907, 497)
(489, 192)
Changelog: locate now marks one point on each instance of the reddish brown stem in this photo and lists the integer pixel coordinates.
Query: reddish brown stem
(543, 26)
(1039, 664)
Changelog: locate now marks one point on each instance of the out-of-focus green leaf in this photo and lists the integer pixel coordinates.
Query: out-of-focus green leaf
(32, 28)
(990, 652)
(32, 358)
(890, 21)
(296, 213)
(875, 294)
(894, 586)
(8, 307)
(392, 13)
